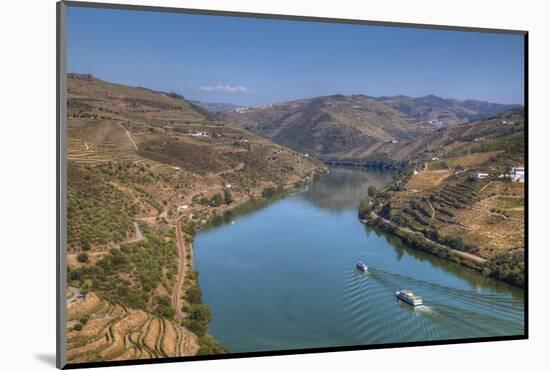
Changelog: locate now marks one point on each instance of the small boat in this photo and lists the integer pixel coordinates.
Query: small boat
(361, 266)
(409, 297)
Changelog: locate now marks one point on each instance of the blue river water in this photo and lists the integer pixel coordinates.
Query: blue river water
(281, 276)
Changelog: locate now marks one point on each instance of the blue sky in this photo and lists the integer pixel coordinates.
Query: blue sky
(256, 61)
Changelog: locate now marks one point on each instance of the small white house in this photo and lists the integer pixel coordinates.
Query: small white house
(394, 141)
(182, 207)
(517, 174)
(476, 176)
(228, 186)
(199, 134)
(435, 159)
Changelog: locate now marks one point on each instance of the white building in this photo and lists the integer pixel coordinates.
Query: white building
(182, 207)
(478, 176)
(517, 174)
(199, 134)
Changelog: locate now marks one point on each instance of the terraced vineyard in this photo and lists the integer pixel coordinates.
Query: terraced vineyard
(100, 330)
(437, 198)
(93, 154)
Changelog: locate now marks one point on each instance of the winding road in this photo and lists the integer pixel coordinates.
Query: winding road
(181, 270)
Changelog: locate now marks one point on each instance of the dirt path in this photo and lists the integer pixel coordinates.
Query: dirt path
(485, 187)
(239, 167)
(76, 295)
(181, 270)
(139, 234)
(129, 137)
(431, 207)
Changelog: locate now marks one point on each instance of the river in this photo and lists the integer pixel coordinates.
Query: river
(281, 276)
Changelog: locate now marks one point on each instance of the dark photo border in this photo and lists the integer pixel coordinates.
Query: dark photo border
(61, 191)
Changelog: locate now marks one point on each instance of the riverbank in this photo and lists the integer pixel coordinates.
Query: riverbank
(453, 218)
(198, 315)
(419, 241)
(281, 276)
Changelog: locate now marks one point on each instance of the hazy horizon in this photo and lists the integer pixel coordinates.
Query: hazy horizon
(190, 98)
(250, 62)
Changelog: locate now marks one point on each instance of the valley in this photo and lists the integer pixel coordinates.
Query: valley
(147, 170)
(151, 159)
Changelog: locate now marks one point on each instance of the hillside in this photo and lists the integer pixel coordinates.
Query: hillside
(440, 111)
(471, 136)
(329, 127)
(437, 206)
(145, 170)
(358, 129)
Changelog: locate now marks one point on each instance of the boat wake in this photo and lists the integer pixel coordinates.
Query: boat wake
(447, 312)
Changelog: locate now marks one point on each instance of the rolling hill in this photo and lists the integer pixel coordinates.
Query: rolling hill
(330, 126)
(438, 206)
(358, 129)
(442, 111)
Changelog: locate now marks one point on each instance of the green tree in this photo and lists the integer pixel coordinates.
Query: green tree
(227, 196)
(268, 192)
(371, 191)
(193, 294)
(216, 200)
(82, 257)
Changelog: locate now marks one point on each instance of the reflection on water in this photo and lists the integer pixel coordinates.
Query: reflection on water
(344, 188)
(474, 278)
(281, 276)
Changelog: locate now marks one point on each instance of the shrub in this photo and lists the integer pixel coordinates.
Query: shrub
(78, 326)
(82, 257)
(209, 346)
(268, 192)
(199, 315)
(365, 208)
(227, 196)
(216, 200)
(193, 294)
(371, 191)
(166, 312)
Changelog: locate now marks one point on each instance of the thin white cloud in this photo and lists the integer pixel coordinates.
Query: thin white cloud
(228, 89)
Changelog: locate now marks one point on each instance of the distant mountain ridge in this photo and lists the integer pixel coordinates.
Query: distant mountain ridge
(357, 126)
(440, 111)
(216, 107)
